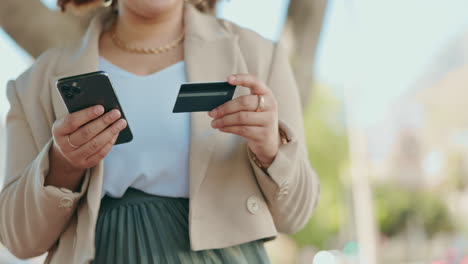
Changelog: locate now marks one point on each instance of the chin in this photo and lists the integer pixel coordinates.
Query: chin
(150, 8)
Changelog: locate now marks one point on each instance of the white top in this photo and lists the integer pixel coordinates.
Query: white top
(156, 161)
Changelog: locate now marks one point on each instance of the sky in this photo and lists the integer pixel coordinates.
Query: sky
(370, 50)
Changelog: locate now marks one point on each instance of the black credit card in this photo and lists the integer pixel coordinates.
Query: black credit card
(201, 97)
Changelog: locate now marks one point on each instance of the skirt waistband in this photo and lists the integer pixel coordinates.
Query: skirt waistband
(135, 196)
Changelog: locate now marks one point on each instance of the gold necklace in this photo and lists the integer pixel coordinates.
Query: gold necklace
(168, 47)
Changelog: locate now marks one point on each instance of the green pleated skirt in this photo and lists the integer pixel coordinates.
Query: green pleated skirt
(142, 228)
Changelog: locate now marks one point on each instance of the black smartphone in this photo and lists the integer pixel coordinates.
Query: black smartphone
(82, 91)
(199, 97)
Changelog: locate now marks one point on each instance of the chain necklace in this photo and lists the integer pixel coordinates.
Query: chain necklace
(158, 50)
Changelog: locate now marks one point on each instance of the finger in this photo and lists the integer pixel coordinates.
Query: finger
(254, 133)
(90, 130)
(241, 103)
(249, 81)
(101, 154)
(95, 144)
(73, 121)
(243, 118)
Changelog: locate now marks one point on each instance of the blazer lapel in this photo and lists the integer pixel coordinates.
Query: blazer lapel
(82, 58)
(205, 62)
(211, 54)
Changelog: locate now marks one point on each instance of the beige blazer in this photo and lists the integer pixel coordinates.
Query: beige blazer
(232, 201)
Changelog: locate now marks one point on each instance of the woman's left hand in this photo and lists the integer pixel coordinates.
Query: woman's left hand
(238, 116)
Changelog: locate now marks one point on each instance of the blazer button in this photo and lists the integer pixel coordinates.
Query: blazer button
(253, 204)
(66, 202)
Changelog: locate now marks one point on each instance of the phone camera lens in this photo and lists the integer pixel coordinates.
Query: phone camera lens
(69, 95)
(65, 88)
(76, 90)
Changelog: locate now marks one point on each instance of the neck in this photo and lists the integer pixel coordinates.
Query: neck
(156, 30)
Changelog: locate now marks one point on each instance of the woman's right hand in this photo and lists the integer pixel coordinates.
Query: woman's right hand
(92, 133)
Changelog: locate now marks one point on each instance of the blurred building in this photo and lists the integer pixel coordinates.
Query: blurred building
(427, 130)
(442, 93)
(422, 145)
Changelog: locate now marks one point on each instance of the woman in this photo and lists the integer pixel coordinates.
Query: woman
(243, 166)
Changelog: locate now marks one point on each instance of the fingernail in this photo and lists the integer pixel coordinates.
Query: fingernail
(122, 124)
(232, 78)
(213, 112)
(115, 114)
(98, 109)
(214, 123)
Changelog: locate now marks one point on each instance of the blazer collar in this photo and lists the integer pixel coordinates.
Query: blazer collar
(211, 53)
(81, 56)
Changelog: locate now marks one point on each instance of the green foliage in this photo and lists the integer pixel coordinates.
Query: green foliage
(397, 206)
(328, 151)
(327, 146)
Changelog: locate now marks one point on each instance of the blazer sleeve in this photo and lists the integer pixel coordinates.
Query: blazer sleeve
(32, 216)
(290, 185)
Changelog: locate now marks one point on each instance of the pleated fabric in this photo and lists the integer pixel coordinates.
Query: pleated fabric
(142, 228)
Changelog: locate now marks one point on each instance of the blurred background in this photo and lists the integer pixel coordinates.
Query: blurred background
(383, 85)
